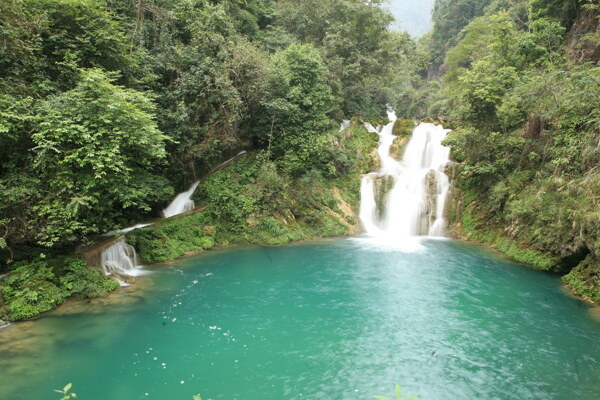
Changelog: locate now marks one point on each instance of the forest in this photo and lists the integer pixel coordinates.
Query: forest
(109, 108)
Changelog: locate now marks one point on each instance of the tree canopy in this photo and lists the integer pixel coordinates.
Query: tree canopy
(111, 106)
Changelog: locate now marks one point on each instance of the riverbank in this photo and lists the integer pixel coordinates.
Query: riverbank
(249, 201)
(471, 217)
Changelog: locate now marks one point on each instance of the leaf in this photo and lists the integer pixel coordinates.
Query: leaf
(381, 397)
(67, 387)
(196, 397)
(398, 392)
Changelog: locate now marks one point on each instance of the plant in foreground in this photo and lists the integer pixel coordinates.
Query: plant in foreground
(65, 392)
(398, 395)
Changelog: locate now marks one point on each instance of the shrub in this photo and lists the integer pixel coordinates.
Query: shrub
(36, 286)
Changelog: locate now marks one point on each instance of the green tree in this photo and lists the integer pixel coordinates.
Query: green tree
(449, 18)
(294, 119)
(563, 11)
(367, 61)
(96, 146)
(45, 41)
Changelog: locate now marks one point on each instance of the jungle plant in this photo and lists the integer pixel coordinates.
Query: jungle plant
(65, 392)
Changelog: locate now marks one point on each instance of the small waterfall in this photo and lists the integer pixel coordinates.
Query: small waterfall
(182, 202)
(125, 230)
(120, 259)
(344, 125)
(415, 204)
(368, 205)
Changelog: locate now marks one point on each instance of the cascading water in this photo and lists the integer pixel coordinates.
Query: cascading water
(344, 125)
(125, 230)
(415, 203)
(120, 259)
(182, 202)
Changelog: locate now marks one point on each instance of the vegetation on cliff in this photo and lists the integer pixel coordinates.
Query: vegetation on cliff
(253, 202)
(40, 285)
(526, 107)
(110, 107)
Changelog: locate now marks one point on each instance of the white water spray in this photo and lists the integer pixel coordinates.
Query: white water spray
(120, 259)
(125, 230)
(344, 125)
(182, 202)
(415, 204)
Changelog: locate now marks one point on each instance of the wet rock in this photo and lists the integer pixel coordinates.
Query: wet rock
(382, 186)
(398, 147)
(429, 211)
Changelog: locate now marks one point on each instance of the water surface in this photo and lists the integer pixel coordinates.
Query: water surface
(340, 319)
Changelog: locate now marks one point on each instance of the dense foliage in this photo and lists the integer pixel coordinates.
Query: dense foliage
(42, 284)
(528, 122)
(108, 107)
(253, 202)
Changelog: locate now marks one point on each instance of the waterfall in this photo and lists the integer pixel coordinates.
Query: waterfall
(344, 125)
(415, 204)
(120, 259)
(125, 230)
(182, 202)
(368, 205)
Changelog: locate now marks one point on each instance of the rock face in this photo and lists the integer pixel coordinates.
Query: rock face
(429, 210)
(398, 147)
(580, 40)
(453, 208)
(382, 186)
(584, 279)
(93, 253)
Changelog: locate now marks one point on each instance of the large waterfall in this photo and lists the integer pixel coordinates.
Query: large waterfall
(406, 198)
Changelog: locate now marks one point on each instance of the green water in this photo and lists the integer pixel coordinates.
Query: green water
(341, 319)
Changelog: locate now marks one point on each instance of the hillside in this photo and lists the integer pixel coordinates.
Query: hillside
(522, 87)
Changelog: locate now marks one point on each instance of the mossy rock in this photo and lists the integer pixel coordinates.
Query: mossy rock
(584, 279)
(403, 127)
(173, 237)
(398, 147)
